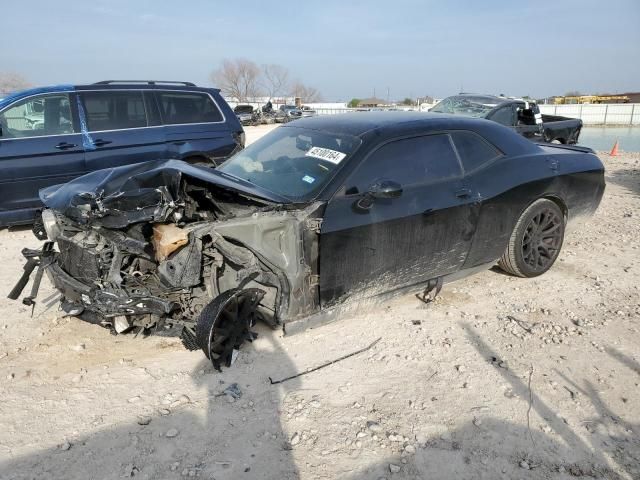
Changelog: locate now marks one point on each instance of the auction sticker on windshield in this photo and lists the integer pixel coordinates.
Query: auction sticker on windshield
(327, 154)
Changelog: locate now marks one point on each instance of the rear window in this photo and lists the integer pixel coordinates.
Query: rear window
(188, 107)
(114, 110)
(474, 150)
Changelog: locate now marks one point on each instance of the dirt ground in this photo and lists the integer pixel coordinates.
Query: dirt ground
(500, 378)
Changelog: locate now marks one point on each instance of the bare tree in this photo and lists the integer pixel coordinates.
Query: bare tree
(306, 93)
(275, 79)
(238, 78)
(10, 82)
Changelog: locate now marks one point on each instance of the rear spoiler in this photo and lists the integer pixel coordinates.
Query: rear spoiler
(576, 148)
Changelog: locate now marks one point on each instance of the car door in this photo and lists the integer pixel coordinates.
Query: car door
(195, 127)
(403, 217)
(40, 145)
(480, 161)
(122, 129)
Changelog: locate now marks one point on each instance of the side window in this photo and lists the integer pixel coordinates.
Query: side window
(188, 107)
(409, 161)
(37, 117)
(503, 116)
(114, 110)
(473, 149)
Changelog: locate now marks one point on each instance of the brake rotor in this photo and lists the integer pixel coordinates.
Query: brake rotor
(225, 324)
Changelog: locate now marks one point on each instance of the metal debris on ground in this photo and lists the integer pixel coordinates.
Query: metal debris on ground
(232, 390)
(431, 291)
(274, 382)
(522, 324)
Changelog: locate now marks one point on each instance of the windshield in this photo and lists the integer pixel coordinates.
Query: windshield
(291, 161)
(468, 106)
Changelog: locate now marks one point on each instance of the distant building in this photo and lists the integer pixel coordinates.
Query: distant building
(372, 103)
(594, 99)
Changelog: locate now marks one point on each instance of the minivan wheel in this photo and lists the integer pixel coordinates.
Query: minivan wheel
(536, 240)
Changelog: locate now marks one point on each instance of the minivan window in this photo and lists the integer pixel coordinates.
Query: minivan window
(114, 110)
(37, 116)
(188, 107)
(408, 161)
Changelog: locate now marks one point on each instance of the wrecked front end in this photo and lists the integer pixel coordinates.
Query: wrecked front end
(176, 245)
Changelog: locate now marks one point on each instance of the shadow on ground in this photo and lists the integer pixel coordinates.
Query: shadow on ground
(218, 439)
(212, 440)
(492, 448)
(627, 178)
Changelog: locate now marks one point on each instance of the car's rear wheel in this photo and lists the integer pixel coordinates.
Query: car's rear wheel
(536, 240)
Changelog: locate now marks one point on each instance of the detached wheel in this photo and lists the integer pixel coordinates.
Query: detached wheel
(225, 324)
(536, 240)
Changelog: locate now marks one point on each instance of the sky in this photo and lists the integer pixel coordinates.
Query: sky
(344, 49)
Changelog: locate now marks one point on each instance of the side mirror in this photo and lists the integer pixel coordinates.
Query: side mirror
(385, 189)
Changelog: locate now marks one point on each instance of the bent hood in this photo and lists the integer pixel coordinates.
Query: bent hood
(141, 192)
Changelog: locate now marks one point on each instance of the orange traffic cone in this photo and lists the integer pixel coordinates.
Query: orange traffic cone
(614, 150)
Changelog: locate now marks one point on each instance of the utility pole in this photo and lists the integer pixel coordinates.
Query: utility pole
(387, 95)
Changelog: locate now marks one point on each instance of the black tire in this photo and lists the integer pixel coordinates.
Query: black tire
(225, 324)
(536, 240)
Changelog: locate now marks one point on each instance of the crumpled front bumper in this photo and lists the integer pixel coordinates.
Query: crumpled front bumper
(108, 302)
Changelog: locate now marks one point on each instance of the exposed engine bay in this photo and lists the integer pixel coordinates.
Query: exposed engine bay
(157, 258)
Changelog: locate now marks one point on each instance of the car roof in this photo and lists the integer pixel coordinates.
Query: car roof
(128, 85)
(359, 123)
(487, 99)
(385, 125)
(20, 94)
(481, 98)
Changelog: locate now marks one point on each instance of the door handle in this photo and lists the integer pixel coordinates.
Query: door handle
(65, 146)
(101, 143)
(463, 193)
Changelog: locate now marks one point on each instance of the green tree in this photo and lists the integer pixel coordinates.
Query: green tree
(407, 101)
(353, 103)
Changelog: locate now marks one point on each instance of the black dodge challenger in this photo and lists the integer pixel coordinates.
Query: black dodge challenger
(315, 217)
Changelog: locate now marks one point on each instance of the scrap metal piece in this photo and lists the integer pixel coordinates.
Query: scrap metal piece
(431, 291)
(121, 324)
(184, 269)
(344, 357)
(35, 258)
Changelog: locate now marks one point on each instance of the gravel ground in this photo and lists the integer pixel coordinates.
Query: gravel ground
(501, 377)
